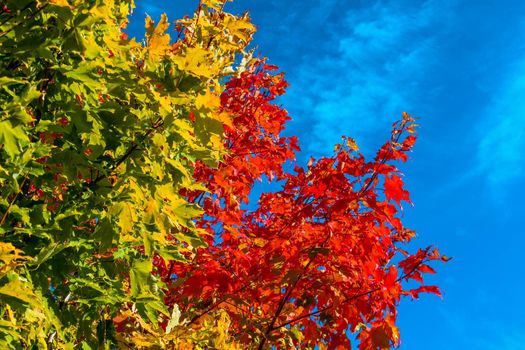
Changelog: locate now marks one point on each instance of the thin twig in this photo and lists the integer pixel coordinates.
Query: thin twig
(4, 217)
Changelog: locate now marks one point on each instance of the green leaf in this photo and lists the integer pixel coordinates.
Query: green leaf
(12, 139)
(18, 290)
(6, 81)
(105, 234)
(47, 253)
(140, 277)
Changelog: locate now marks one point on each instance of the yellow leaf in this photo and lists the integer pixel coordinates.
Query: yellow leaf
(259, 242)
(208, 101)
(240, 27)
(150, 26)
(199, 62)
(59, 2)
(352, 144)
(165, 103)
(151, 211)
(214, 4)
(158, 40)
(159, 140)
(181, 168)
(225, 118)
(93, 50)
(126, 216)
(162, 26)
(11, 257)
(18, 290)
(216, 143)
(167, 193)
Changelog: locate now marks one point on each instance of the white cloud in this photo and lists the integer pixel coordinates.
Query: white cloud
(367, 72)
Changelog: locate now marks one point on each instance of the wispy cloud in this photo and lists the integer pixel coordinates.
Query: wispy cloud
(500, 155)
(484, 334)
(368, 71)
(499, 336)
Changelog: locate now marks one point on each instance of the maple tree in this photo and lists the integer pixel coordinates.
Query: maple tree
(313, 259)
(126, 215)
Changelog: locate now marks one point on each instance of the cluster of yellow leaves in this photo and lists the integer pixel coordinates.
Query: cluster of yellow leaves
(212, 40)
(37, 318)
(132, 119)
(214, 37)
(10, 258)
(210, 332)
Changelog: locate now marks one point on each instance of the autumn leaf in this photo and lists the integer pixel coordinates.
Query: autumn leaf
(394, 189)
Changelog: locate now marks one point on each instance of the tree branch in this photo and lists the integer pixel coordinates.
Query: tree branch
(353, 297)
(288, 294)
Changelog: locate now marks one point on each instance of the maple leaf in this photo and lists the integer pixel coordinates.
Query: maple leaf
(394, 189)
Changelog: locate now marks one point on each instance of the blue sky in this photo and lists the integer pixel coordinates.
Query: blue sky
(459, 66)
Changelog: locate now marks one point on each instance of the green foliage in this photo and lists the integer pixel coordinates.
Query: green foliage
(96, 145)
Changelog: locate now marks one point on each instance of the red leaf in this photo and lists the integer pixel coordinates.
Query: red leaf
(409, 141)
(428, 289)
(394, 189)
(426, 269)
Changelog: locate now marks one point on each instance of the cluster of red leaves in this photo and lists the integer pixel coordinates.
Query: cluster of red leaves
(254, 143)
(317, 258)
